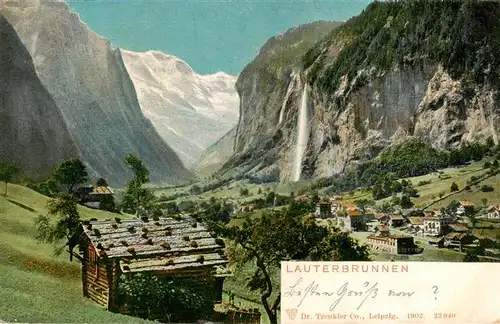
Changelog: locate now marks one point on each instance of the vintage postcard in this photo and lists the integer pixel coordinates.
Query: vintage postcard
(249, 161)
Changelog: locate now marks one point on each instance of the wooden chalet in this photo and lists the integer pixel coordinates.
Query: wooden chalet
(93, 197)
(164, 247)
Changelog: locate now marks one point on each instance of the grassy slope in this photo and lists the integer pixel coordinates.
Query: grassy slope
(430, 192)
(36, 286)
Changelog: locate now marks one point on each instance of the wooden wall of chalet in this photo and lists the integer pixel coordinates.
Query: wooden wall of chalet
(95, 277)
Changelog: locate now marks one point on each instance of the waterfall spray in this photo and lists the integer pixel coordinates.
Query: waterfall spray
(302, 136)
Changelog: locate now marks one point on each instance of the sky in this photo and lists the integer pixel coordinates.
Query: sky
(211, 36)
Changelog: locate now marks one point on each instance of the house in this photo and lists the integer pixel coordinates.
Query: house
(369, 216)
(323, 210)
(436, 241)
(351, 220)
(94, 196)
(412, 212)
(458, 228)
(246, 208)
(433, 226)
(396, 220)
(349, 206)
(304, 198)
(397, 244)
(164, 247)
(382, 230)
(465, 207)
(457, 240)
(493, 212)
(416, 224)
(381, 218)
(334, 206)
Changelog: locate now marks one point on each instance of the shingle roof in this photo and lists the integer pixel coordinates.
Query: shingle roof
(416, 220)
(101, 190)
(162, 244)
(458, 227)
(466, 203)
(353, 213)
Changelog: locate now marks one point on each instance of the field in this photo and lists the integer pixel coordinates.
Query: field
(36, 286)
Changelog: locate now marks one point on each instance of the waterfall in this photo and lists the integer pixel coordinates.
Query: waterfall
(287, 95)
(302, 136)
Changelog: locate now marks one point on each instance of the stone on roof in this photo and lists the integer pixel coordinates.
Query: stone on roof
(151, 244)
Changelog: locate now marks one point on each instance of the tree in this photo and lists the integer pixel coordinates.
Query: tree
(244, 192)
(454, 187)
(70, 173)
(494, 165)
(471, 256)
(7, 172)
(484, 201)
(101, 182)
(406, 202)
(137, 197)
(67, 226)
(141, 173)
(286, 235)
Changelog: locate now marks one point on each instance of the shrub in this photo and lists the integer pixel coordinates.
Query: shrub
(219, 241)
(487, 188)
(145, 297)
(423, 182)
(453, 187)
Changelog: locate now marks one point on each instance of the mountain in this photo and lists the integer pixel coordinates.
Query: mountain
(91, 86)
(421, 69)
(34, 134)
(188, 110)
(214, 157)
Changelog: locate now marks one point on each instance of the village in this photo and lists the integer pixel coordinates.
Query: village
(397, 232)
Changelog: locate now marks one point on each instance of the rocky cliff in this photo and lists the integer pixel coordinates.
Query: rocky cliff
(424, 69)
(34, 134)
(91, 86)
(190, 111)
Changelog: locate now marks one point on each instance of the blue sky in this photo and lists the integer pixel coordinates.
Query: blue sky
(210, 35)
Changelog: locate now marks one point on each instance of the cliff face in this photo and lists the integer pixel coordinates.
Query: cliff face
(214, 157)
(188, 110)
(389, 74)
(91, 86)
(34, 134)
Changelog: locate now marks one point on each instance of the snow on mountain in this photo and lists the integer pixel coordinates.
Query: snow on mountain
(188, 110)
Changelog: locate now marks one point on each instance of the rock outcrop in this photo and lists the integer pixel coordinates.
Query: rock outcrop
(374, 81)
(188, 110)
(34, 135)
(91, 86)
